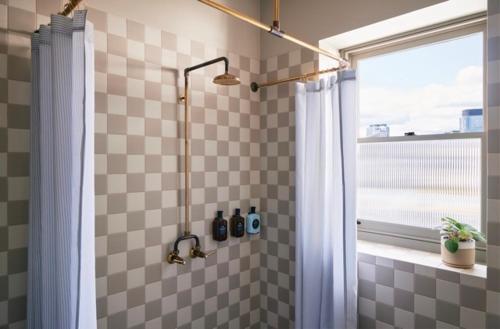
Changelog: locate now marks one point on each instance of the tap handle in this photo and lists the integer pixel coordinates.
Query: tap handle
(205, 254)
(174, 258)
(180, 261)
(196, 252)
(211, 252)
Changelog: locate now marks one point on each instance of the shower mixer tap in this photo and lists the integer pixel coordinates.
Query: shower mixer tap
(195, 251)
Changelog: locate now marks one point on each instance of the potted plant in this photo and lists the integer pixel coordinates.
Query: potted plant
(458, 243)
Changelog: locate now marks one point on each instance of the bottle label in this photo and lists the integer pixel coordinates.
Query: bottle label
(255, 223)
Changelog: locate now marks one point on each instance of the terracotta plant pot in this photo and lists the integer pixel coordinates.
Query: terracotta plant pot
(464, 257)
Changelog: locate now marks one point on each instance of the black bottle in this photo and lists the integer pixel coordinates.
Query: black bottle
(219, 227)
(237, 224)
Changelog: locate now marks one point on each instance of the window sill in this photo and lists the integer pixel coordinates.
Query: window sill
(424, 258)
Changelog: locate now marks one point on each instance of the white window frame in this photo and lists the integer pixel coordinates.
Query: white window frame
(408, 236)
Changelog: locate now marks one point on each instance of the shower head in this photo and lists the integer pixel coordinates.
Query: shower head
(226, 79)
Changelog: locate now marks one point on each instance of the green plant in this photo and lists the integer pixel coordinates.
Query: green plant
(454, 231)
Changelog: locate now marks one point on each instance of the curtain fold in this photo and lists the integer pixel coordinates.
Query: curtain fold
(61, 265)
(326, 275)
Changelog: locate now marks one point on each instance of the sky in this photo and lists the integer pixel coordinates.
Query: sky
(422, 89)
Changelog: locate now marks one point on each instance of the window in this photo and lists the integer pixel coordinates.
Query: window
(420, 140)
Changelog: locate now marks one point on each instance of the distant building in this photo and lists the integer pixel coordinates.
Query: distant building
(472, 121)
(378, 130)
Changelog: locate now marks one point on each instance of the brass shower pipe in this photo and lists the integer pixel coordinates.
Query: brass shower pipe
(69, 7)
(303, 77)
(274, 29)
(225, 79)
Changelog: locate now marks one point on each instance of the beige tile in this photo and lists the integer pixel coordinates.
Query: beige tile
(135, 50)
(19, 92)
(117, 65)
(135, 88)
(21, 20)
(117, 85)
(28, 5)
(152, 36)
(98, 18)
(117, 163)
(117, 25)
(117, 45)
(117, 124)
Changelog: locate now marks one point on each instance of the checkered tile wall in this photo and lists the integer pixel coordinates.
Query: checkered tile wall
(243, 153)
(139, 175)
(394, 294)
(277, 259)
(493, 90)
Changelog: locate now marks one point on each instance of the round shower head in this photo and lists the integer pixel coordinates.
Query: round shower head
(226, 79)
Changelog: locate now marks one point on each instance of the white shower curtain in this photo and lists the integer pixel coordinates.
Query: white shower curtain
(325, 203)
(61, 255)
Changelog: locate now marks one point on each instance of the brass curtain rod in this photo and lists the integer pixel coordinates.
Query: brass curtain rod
(256, 86)
(69, 7)
(274, 29)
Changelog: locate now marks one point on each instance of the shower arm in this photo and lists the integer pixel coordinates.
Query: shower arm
(274, 29)
(187, 146)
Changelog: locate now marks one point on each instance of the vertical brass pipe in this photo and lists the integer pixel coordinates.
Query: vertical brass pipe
(69, 7)
(187, 158)
(276, 20)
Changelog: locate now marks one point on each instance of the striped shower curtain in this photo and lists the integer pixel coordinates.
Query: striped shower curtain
(325, 252)
(61, 255)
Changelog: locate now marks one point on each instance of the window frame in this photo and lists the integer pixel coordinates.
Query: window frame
(409, 236)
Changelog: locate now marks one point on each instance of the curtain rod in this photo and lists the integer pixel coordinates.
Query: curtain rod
(69, 7)
(274, 29)
(256, 86)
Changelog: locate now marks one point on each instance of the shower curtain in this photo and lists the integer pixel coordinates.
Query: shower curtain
(326, 273)
(61, 256)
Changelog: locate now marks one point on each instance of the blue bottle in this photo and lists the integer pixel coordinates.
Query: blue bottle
(253, 222)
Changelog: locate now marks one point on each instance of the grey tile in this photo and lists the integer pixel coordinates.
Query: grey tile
(493, 284)
(473, 298)
(404, 266)
(118, 320)
(365, 258)
(117, 283)
(17, 260)
(135, 297)
(365, 322)
(447, 312)
(492, 321)
(422, 322)
(153, 310)
(425, 286)
(17, 309)
(384, 275)
(117, 243)
(448, 275)
(385, 313)
(404, 300)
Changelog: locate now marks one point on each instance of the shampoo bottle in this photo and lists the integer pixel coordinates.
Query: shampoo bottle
(219, 227)
(253, 222)
(237, 224)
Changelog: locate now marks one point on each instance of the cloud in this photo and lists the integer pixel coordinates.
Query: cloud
(434, 108)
